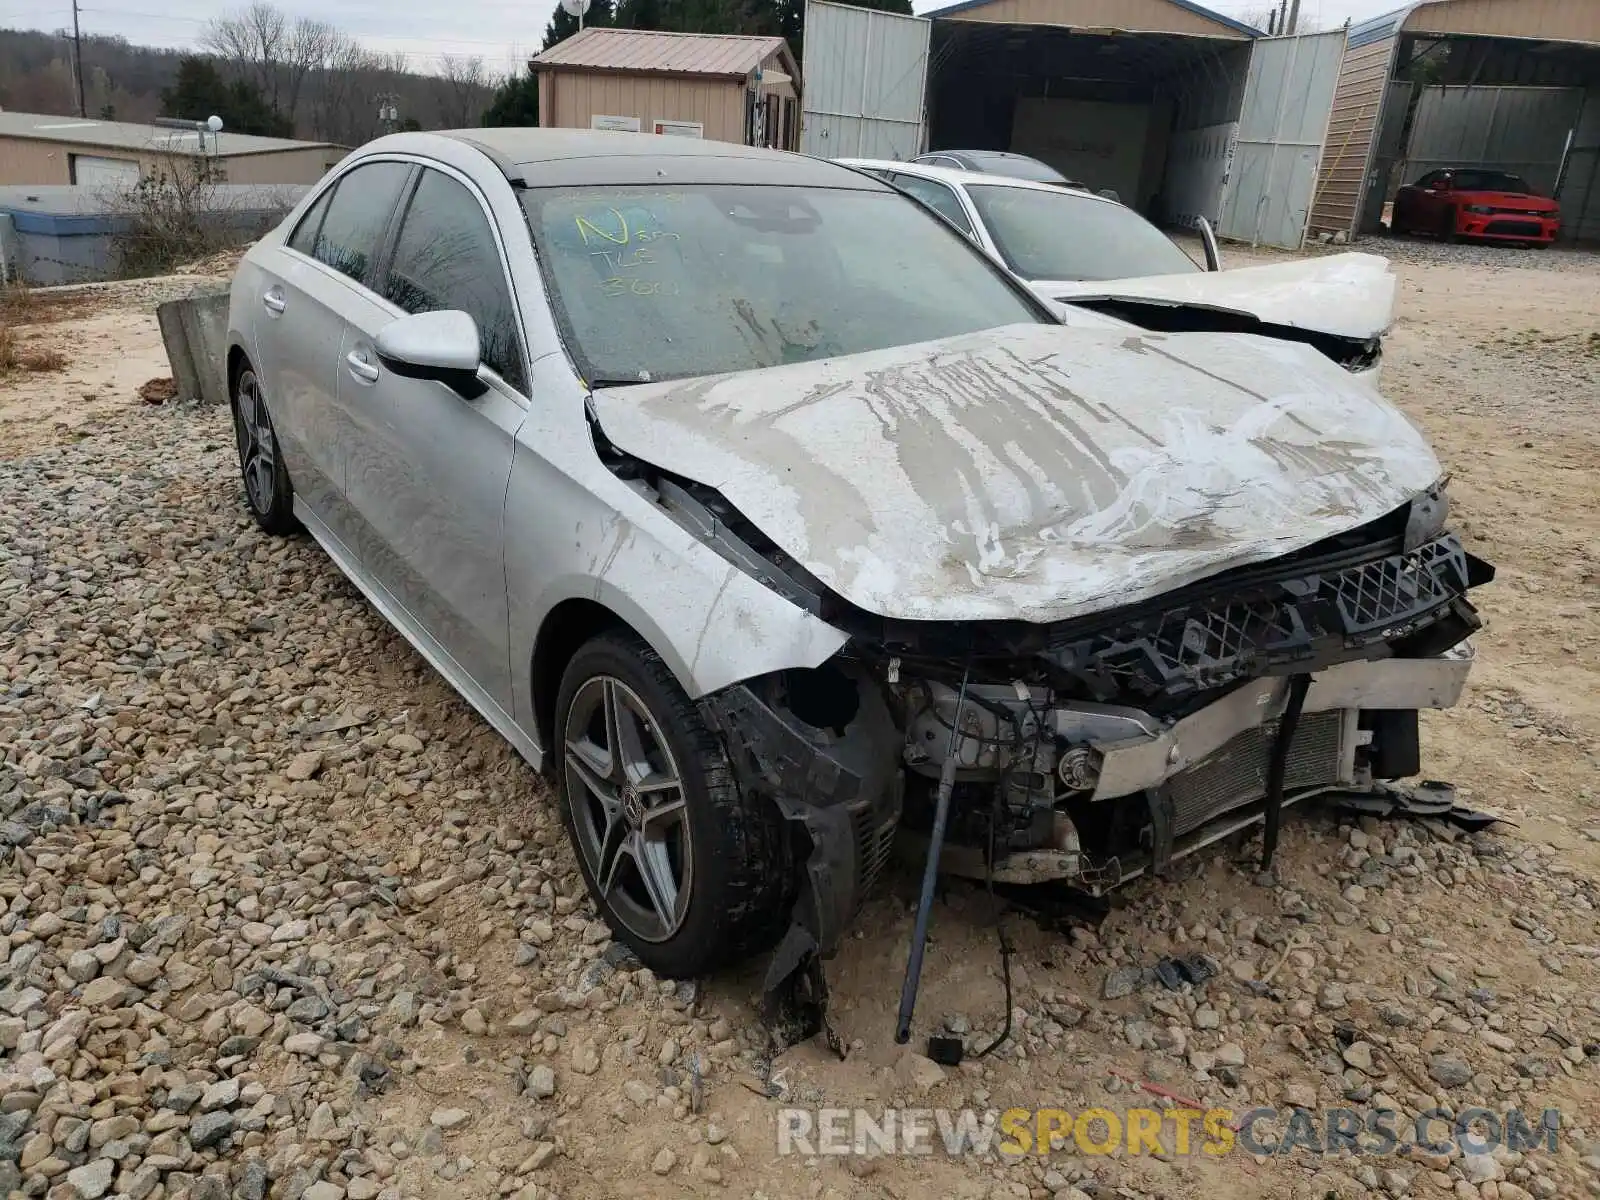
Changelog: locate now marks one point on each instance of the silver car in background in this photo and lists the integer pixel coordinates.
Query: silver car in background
(765, 513)
(1101, 257)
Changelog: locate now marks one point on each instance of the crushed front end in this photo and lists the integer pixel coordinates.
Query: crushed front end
(1094, 750)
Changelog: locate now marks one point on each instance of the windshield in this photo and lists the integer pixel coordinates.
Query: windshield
(1488, 181)
(655, 283)
(1062, 235)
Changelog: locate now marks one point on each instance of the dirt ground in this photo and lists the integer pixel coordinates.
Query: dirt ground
(1496, 354)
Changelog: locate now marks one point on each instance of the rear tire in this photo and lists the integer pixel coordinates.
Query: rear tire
(267, 490)
(687, 871)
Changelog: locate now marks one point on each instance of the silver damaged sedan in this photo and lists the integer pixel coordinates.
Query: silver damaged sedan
(778, 524)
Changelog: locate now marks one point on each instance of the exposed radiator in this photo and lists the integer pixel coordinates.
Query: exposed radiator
(1237, 773)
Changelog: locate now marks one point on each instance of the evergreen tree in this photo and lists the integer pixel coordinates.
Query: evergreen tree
(515, 102)
(198, 92)
(563, 24)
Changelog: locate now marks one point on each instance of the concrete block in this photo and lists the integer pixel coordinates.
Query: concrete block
(195, 331)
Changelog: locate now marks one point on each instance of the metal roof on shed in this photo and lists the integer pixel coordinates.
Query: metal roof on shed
(1538, 20)
(1139, 16)
(599, 48)
(129, 136)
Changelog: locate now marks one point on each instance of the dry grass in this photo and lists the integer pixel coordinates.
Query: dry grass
(20, 306)
(13, 357)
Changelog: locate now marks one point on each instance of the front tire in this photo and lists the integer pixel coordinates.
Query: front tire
(267, 491)
(686, 870)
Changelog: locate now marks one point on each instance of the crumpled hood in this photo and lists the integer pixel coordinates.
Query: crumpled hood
(1034, 472)
(1351, 295)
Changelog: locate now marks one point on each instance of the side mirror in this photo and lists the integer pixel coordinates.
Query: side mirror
(1208, 239)
(442, 346)
(1444, 185)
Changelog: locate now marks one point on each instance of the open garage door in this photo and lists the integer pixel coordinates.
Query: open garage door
(1282, 126)
(865, 83)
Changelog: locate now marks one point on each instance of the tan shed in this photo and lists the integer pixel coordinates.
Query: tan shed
(42, 149)
(727, 87)
(1510, 85)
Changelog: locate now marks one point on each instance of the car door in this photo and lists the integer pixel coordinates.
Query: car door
(1425, 209)
(428, 467)
(316, 277)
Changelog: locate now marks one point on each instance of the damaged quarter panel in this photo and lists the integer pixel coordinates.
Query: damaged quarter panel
(1035, 472)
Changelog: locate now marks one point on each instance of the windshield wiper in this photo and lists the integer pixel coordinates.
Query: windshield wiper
(596, 384)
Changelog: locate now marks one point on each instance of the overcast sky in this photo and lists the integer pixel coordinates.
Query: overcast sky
(502, 31)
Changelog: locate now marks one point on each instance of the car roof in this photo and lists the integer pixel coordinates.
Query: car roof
(1001, 155)
(967, 178)
(537, 158)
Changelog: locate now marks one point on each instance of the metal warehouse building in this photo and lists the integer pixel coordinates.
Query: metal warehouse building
(1185, 112)
(1512, 85)
(729, 87)
(1182, 111)
(37, 149)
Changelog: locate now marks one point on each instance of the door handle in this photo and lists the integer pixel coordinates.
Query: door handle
(273, 301)
(363, 370)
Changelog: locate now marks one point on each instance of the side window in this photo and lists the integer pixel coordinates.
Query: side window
(1431, 179)
(937, 197)
(304, 237)
(446, 258)
(357, 217)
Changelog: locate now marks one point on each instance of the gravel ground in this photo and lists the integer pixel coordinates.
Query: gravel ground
(283, 917)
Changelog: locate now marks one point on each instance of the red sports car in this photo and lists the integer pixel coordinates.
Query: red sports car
(1468, 202)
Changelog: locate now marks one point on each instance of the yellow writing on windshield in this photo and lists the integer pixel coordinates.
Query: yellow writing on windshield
(617, 245)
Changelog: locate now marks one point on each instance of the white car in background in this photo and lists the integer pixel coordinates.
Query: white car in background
(1092, 254)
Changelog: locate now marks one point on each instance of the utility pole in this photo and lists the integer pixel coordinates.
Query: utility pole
(77, 57)
(1294, 16)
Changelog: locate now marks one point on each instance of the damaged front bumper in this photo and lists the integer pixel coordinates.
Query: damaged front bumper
(1203, 777)
(1092, 751)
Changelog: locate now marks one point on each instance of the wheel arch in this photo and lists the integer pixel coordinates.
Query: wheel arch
(564, 630)
(238, 358)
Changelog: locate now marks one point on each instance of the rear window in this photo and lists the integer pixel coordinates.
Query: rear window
(655, 283)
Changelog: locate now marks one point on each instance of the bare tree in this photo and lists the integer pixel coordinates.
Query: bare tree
(270, 51)
(253, 40)
(466, 89)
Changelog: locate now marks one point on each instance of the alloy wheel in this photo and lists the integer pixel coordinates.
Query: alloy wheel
(629, 808)
(258, 450)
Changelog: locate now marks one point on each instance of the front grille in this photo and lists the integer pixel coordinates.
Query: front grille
(874, 842)
(1246, 630)
(1237, 773)
(1516, 228)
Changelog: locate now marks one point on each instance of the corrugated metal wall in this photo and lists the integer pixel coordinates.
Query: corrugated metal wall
(35, 161)
(1518, 129)
(569, 99)
(1580, 191)
(1357, 103)
(287, 166)
(27, 160)
(866, 83)
(1287, 104)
